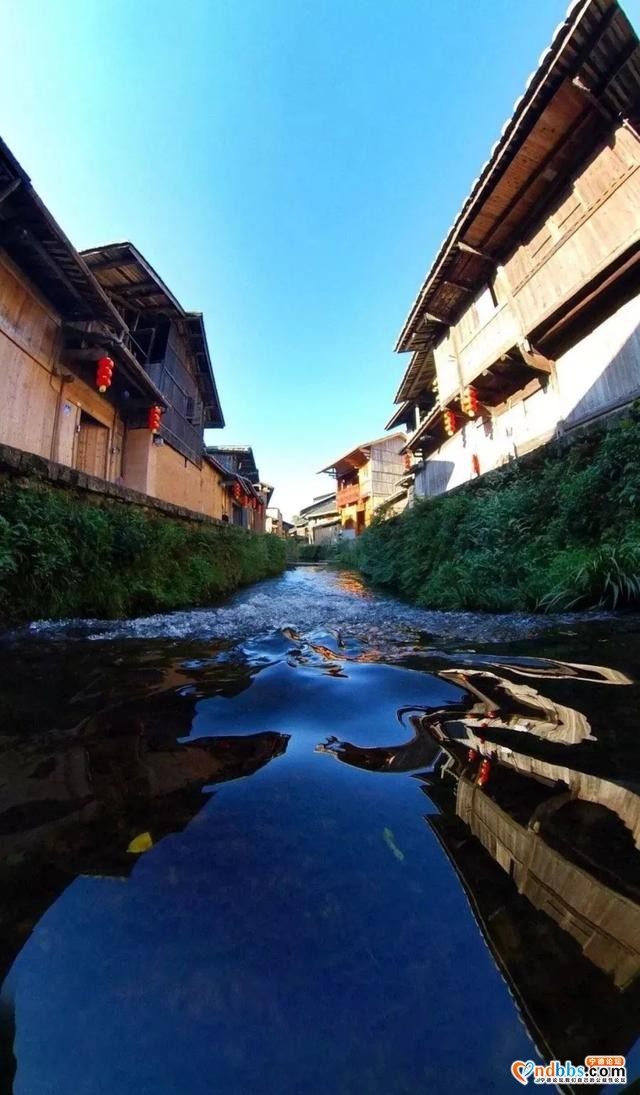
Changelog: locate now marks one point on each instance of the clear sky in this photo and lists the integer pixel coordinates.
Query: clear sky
(289, 168)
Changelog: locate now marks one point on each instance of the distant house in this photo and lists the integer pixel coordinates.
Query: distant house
(101, 368)
(528, 322)
(366, 478)
(274, 522)
(248, 496)
(321, 519)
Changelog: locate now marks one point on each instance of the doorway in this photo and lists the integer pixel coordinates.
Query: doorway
(93, 446)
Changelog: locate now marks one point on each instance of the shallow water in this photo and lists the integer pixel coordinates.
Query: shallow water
(250, 848)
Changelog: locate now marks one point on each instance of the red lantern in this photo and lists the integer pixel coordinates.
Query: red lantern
(104, 373)
(449, 423)
(475, 464)
(472, 755)
(153, 418)
(406, 460)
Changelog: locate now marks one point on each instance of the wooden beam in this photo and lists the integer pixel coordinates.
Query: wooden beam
(107, 264)
(9, 189)
(459, 285)
(430, 318)
(469, 250)
(86, 353)
(593, 99)
(23, 236)
(534, 359)
(133, 289)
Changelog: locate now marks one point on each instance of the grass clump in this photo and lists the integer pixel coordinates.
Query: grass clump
(61, 556)
(557, 532)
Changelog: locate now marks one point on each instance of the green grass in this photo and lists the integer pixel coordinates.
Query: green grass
(558, 531)
(61, 556)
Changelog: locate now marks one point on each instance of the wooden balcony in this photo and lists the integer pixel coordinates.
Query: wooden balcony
(591, 227)
(348, 496)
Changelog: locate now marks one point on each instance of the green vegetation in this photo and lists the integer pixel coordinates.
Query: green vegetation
(61, 556)
(555, 531)
(306, 553)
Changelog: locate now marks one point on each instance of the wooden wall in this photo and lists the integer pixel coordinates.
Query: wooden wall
(41, 413)
(29, 392)
(163, 473)
(590, 224)
(386, 467)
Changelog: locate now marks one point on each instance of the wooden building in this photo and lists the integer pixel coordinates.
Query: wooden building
(367, 477)
(528, 322)
(50, 307)
(247, 504)
(65, 319)
(320, 520)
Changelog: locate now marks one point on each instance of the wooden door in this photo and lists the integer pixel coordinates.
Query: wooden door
(93, 447)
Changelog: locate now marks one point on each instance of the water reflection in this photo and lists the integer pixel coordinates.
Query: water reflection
(310, 907)
(546, 853)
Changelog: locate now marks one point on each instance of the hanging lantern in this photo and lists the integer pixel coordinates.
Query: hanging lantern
(104, 373)
(472, 755)
(153, 418)
(449, 423)
(475, 464)
(406, 460)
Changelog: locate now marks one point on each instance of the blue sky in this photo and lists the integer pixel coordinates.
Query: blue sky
(288, 167)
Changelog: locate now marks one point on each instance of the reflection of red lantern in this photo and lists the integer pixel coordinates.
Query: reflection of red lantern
(449, 423)
(469, 402)
(153, 418)
(484, 773)
(475, 464)
(104, 373)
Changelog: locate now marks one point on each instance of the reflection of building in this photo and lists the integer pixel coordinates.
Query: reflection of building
(548, 857)
(77, 812)
(528, 321)
(367, 477)
(570, 1006)
(72, 800)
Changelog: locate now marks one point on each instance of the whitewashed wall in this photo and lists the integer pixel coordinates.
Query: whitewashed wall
(602, 370)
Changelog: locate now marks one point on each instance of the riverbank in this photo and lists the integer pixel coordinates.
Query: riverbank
(65, 554)
(555, 531)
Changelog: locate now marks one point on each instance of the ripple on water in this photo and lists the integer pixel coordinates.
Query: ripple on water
(307, 599)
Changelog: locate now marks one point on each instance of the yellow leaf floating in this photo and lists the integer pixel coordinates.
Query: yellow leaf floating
(390, 842)
(140, 843)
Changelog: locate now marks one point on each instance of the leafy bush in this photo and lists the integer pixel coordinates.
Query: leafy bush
(557, 531)
(61, 556)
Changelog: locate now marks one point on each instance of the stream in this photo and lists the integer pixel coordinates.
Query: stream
(317, 841)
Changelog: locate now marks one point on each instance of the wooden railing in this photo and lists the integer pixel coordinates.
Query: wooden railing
(182, 422)
(348, 496)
